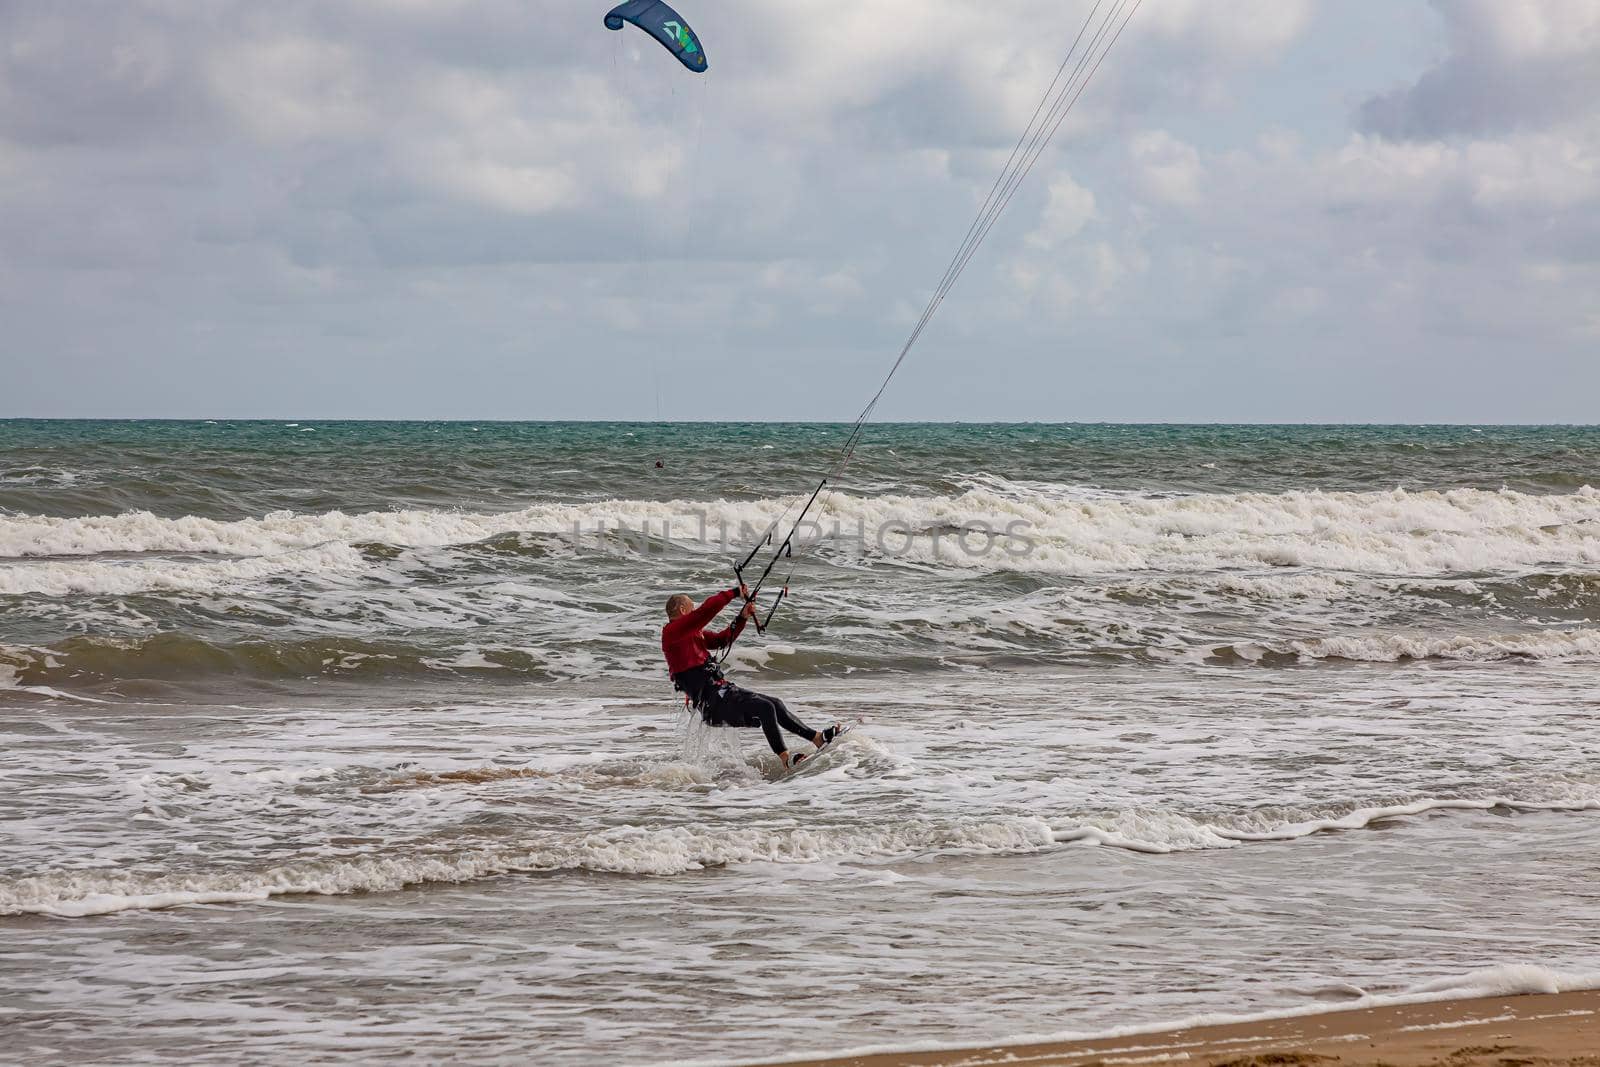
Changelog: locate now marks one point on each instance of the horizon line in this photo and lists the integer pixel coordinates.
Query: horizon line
(297, 419)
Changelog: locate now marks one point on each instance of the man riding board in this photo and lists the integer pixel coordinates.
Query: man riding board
(687, 646)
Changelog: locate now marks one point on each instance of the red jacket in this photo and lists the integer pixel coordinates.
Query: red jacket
(684, 641)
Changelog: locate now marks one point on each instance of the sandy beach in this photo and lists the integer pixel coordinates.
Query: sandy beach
(1558, 1030)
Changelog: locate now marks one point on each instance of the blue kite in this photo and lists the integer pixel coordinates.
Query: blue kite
(665, 25)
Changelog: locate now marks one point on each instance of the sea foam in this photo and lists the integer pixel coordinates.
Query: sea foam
(663, 852)
(1391, 533)
(58, 578)
(622, 850)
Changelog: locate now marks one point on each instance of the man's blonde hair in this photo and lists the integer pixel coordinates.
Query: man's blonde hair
(679, 600)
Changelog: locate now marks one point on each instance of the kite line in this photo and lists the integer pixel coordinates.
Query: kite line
(1102, 31)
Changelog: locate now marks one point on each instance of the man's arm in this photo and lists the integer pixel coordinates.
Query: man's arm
(721, 638)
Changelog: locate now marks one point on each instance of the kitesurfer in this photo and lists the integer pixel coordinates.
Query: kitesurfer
(688, 647)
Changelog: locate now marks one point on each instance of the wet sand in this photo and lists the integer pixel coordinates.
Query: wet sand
(1554, 1030)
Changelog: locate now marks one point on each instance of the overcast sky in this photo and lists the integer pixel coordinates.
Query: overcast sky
(1262, 210)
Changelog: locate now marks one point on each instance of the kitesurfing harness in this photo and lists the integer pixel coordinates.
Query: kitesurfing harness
(701, 685)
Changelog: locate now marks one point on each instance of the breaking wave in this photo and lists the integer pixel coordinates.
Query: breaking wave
(663, 852)
(623, 850)
(1392, 533)
(180, 657)
(58, 578)
(1398, 648)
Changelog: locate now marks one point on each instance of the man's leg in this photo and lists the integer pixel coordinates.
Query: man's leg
(790, 722)
(787, 720)
(765, 707)
(740, 707)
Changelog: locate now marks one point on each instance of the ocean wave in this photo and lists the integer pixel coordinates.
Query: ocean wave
(282, 531)
(1394, 648)
(183, 657)
(122, 577)
(39, 477)
(622, 850)
(624, 775)
(920, 641)
(663, 852)
(1386, 533)
(1160, 832)
(914, 645)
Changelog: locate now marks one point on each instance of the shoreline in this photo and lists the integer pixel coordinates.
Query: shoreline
(1543, 1029)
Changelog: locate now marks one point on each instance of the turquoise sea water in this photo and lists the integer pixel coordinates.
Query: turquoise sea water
(236, 469)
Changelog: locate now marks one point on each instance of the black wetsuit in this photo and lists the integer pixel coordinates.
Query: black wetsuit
(721, 703)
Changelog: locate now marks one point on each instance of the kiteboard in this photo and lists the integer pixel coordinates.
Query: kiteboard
(808, 760)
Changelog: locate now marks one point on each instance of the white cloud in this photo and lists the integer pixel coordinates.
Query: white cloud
(1525, 29)
(1241, 28)
(400, 175)
(818, 291)
(1166, 168)
(1061, 281)
(1512, 64)
(1490, 237)
(1068, 210)
(1193, 50)
(293, 88)
(519, 190)
(1550, 171)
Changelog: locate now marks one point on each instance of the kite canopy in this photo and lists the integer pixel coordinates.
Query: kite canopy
(665, 25)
